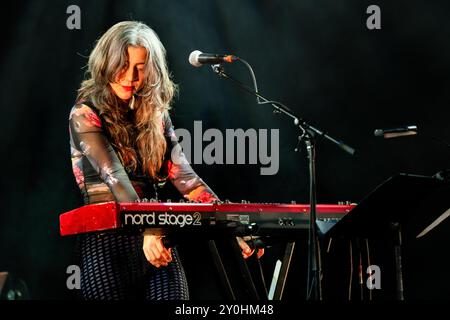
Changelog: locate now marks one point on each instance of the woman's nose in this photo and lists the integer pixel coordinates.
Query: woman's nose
(131, 75)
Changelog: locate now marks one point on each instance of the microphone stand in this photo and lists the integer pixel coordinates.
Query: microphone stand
(308, 135)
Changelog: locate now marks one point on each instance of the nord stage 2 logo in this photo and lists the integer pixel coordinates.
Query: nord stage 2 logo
(161, 219)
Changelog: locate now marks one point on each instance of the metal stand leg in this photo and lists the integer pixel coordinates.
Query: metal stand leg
(398, 259)
(221, 270)
(245, 271)
(284, 271)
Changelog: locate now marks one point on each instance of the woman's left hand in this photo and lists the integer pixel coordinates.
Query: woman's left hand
(246, 250)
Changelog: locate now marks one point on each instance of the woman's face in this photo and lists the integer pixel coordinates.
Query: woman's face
(129, 80)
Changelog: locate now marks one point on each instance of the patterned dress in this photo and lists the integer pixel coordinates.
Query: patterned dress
(113, 265)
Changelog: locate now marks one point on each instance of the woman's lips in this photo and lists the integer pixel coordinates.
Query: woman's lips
(126, 88)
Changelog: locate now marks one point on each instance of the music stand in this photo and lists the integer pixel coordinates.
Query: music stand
(389, 206)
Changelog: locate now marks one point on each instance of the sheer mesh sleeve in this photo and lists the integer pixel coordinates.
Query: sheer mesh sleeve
(181, 174)
(89, 138)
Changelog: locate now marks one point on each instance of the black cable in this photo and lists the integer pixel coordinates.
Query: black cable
(368, 263)
(351, 273)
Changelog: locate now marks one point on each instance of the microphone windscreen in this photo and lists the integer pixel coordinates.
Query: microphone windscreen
(193, 58)
(378, 133)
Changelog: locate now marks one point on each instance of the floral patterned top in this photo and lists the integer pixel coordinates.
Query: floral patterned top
(102, 177)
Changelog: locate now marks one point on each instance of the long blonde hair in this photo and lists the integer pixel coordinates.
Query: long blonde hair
(145, 134)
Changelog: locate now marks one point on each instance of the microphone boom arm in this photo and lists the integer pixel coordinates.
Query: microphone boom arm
(279, 107)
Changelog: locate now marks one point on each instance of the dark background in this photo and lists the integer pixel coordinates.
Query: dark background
(317, 57)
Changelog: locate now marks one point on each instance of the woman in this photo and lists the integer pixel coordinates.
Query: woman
(123, 146)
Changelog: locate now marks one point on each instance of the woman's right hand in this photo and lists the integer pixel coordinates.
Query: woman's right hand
(155, 252)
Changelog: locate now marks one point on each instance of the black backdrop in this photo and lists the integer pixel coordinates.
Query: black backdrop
(317, 57)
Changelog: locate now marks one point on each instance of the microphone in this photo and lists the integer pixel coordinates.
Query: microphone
(396, 132)
(198, 58)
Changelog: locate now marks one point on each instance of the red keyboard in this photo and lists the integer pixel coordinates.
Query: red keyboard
(168, 217)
